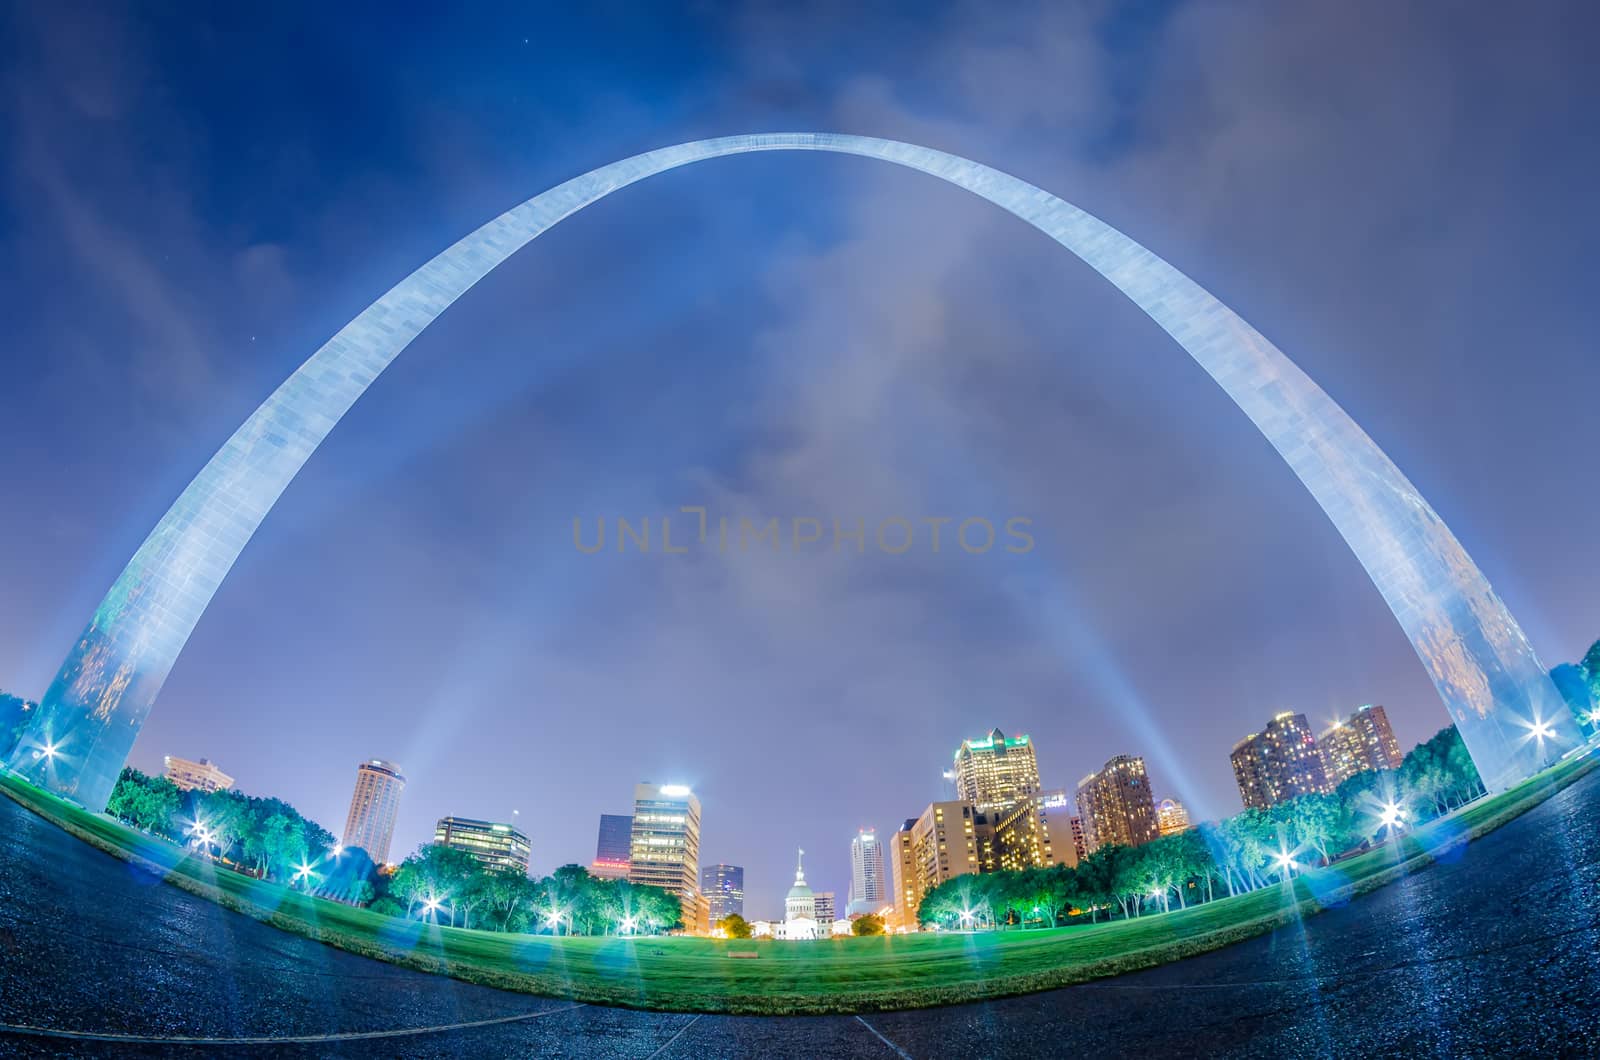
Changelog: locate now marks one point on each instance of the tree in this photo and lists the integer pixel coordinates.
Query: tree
(147, 803)
(871, 924)
(734, 926)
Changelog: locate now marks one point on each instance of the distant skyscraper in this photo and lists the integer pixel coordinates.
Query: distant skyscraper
(664, 847)
(1116, 806)
(996, 771)
(613, 848)
(499, 847)
(1171, 817)
(373, 808)
(196, 776)
(1361, 742)
(869, 884)
(723, 886)
(822, 901)
(1278, 763)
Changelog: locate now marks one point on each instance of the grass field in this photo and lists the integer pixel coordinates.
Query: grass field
(847, 975)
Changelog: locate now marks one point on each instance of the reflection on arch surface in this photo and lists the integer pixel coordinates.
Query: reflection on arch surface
(1480, 661)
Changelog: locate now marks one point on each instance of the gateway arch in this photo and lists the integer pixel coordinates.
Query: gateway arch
(1493, 685)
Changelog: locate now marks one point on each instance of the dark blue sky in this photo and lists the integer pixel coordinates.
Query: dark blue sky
(190, 204)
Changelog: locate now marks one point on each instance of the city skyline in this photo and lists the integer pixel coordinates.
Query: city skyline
(453, 471)
(1061, 839)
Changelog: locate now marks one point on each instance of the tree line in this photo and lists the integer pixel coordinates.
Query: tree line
(1242, 853)
(269, 839)
(453, 887)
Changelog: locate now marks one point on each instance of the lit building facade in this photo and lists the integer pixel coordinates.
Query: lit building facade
(1361, 742)
(950, 839)
(869, 883)
(202, 775)
(613, 847)
(799, 909)
(1171, 817)
(498, 847)
(822, 902)
(1080, 838)
(996, 771)
(1022, 836)
(723, 886)
(1116, 805)
(1278, 763)
(373, 808)
(664, 844)
(1061, 826)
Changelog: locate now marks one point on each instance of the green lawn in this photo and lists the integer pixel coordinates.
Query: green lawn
(847, 975)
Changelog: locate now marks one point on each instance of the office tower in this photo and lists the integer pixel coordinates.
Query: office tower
(1278, 763)
(822, 902)
(373, 808)
(1022, 836)
(1080, 839)
(499, 847)
(996, 771)
(196, 776)
(723, 886)
(869, 886)
(664, 845)
(1061, 825)
(1171, 817)
(1116, 806)
(950, 839)
(612, 848)
(1361, 742)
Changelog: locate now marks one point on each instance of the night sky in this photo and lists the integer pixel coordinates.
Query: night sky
(191, 203)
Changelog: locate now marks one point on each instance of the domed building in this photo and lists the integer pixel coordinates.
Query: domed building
(799, 908)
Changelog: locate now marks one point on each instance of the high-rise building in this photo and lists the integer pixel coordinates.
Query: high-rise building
(1171, 817)
(1080, 839)
(664, 845)
(1062, 826)
(498, 847)
(822, 901)
(1022, 836)
(613, 847)
(869, 885)
(1278, 763)
(373, 808)
(196, 776)
(996, 771)
(948, 840)
(723, 886)
(1361, 742)
(1116, 806)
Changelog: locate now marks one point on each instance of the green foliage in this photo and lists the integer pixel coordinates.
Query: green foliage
(1250, 850)
(871, 924)
(450, 887)
(734, 926)
(151, 804)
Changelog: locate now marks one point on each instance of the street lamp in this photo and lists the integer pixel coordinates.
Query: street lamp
(1286, 864)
